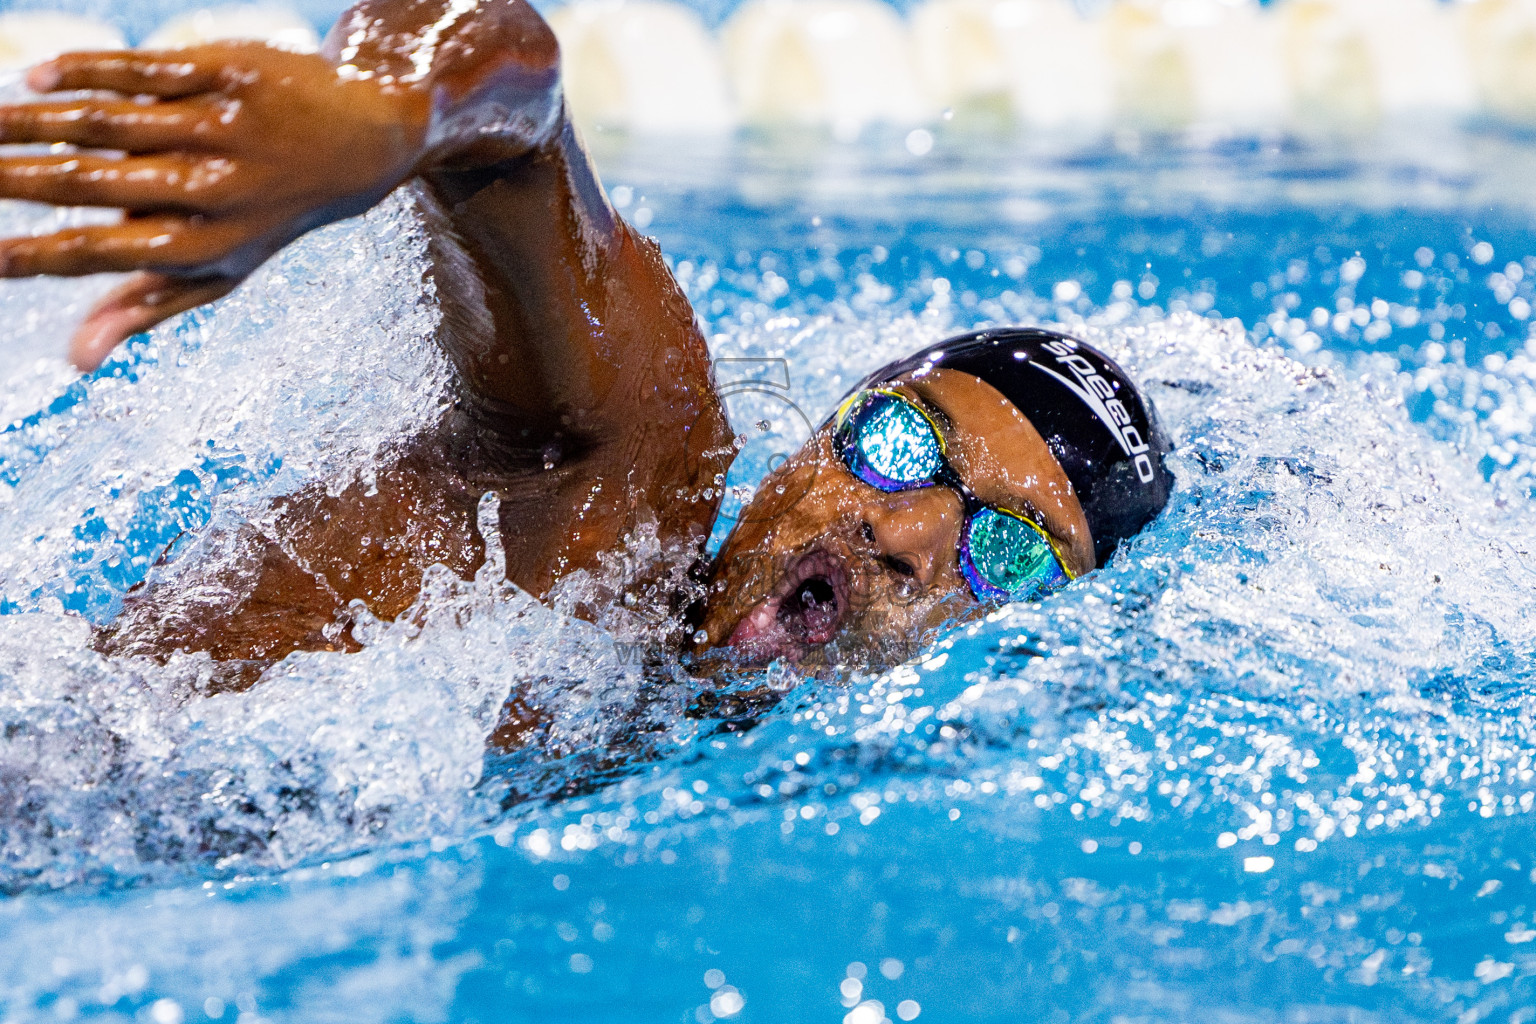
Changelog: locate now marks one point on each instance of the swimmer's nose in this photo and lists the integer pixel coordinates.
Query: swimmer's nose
(914, 532)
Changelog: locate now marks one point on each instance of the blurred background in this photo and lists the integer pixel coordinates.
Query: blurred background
(708, 66)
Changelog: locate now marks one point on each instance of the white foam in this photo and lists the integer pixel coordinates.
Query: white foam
(1298, 563)
(1325, 569)
(309, 374)
(345, 304)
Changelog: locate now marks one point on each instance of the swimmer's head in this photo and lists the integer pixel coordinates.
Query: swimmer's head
(991, 467)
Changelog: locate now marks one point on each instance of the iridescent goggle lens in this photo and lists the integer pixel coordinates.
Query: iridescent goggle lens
(890, 443)
(1006, 557)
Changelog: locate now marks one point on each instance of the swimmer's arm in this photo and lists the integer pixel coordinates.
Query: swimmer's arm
(490, 69)
(566, 326)
(230, 151)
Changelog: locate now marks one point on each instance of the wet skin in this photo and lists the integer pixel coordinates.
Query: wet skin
(583, 394)
(823, 567)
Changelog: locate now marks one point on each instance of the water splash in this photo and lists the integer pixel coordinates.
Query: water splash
(1314, 668)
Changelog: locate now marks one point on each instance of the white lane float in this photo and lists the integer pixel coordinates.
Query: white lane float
(651, 66)
(1037, 60)
(1153, 83)
(642, 65)
(1500, 40)
(1360, 59)
(1211, 61)
(1237, 65)
(839, 63)
(278, 26)
(1419, 60)
(960, 50)
(30, 37)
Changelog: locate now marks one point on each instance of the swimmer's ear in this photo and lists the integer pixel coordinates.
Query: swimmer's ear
(140, 303)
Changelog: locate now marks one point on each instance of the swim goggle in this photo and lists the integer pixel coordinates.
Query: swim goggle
(891, 443)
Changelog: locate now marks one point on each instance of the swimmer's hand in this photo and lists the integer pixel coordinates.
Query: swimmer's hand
(217, 155)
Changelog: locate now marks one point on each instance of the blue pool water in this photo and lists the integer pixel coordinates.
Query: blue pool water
(1275, 762)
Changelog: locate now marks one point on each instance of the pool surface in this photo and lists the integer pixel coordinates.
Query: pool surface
(1275, 762)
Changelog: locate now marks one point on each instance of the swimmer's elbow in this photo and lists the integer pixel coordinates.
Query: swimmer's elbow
(495, 86)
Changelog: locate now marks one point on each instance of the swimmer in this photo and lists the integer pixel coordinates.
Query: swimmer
(994, 467)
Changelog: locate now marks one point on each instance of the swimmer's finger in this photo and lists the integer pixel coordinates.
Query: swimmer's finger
(186, 247)
(168, 74)
(138, 183)
(116, 124)
(139, 304)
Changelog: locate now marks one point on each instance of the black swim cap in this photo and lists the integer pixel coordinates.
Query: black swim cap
(1101, 428)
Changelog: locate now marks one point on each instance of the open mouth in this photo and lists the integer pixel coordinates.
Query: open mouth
(803, 611)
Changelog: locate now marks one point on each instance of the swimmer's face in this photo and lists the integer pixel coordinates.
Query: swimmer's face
(823, 568)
